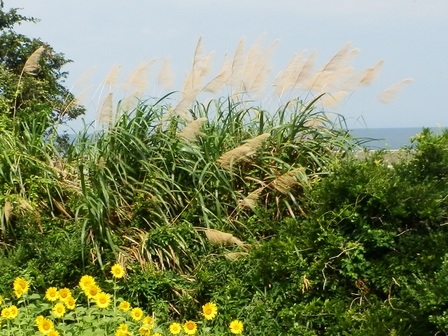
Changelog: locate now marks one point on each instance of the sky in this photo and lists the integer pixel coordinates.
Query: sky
(410, 36)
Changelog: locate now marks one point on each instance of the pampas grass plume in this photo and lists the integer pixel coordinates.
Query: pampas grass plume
(32, 63)
(389, 94)
(192, 130)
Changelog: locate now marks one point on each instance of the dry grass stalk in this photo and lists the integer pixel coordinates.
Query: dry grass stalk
(285, 182)
(306, 284)
(32, 63)
(250, 201)
(106, 112)
(249, 148)
(235, 255)
(166, 75)
(136, 252)
(7, 211)
(389, 94)
(219, 237)
(25, 205)
(192, 130)
(61, 208)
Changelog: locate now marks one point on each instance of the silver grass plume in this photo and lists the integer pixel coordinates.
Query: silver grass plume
(250, 201)
(105, 115)
(389, 94)
(166, 76)
(285, 182)
(112, 76)
(219, 237)
(32, 63)
(249, 148)
(192, 130)
(369, 74)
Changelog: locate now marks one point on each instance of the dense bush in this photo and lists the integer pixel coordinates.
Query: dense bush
(327, 244)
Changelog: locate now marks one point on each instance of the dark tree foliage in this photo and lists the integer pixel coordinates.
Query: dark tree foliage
(38, 97)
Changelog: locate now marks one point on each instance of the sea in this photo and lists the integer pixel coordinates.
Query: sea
(388, 138)
(378, 138)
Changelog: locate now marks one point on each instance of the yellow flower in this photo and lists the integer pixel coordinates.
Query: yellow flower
(156, 334)
(58, 310)
(124, 306)
(70, 303)
(10, 312)
(148, 320)
(209, 310)
(236, 327)
(136, 314)
(53, 333)
(175, 328)
(21, 286)
(39, 320)
(117, 271)
(45, 326)
(14, 311)
(92, 291)
(52, 294)
(86, 281)
(123, 327)
(122, 333)
(6, 313)
(145, 330)
(102, 300)
(190, 327)
(64, 294)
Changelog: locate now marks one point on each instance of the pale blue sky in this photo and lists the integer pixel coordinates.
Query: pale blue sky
(410, 36)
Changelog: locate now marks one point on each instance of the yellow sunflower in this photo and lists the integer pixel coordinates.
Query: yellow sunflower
(64, 294)
(86, 281)
(145, 330)
(209, 310)
(137, 314)
(175, 328)
(21, 286)
(53, 333)
(39, 320)
(45, 326)
(92, 291)
(149, 321)
(70, 303)
(10, 312)
(52, 294)
(117, 271)
(58, 310)
(6, 313)
(190, 327)
(236, 327)
(124, 306)
(123, 328)
(102, 300)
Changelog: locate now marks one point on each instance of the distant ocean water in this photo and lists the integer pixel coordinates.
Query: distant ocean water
(376, 138)
(388, 138)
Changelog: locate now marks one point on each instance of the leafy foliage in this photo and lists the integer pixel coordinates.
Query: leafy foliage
(37, 96)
